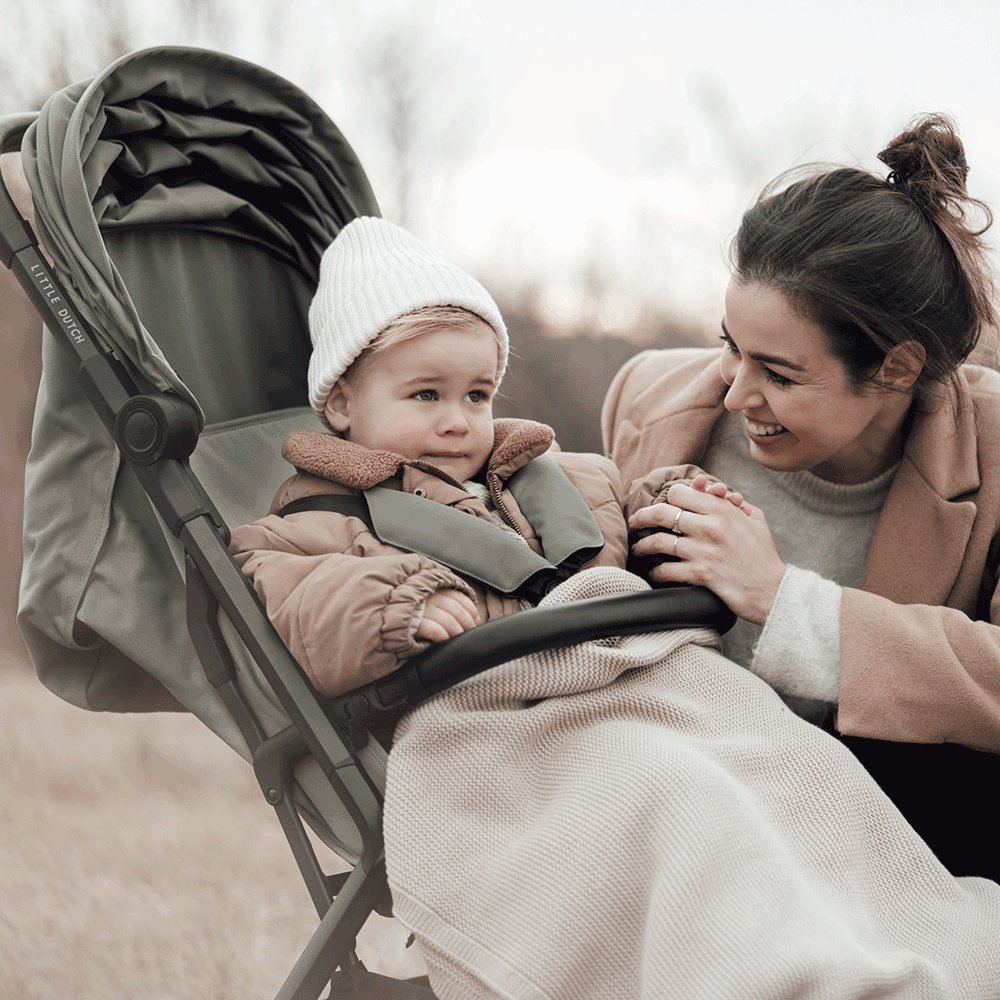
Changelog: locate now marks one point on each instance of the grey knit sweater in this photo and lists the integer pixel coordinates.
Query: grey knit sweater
(822, 532)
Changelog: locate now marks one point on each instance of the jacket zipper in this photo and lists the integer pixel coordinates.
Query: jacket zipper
(494, 481)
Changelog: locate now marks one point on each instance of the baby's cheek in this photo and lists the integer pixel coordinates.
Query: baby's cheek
(484, 441)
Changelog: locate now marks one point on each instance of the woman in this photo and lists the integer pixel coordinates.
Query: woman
(840, 404)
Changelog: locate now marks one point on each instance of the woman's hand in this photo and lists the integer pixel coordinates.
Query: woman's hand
(447, 613)
(717, 546)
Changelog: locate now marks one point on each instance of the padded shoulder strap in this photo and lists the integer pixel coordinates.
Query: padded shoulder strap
(559, 515)
(473, 547)
(461, 541)
(465, 544)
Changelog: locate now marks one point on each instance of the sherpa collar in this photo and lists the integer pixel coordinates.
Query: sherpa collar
(515, 443)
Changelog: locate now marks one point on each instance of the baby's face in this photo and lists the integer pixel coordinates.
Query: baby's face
(429, 398)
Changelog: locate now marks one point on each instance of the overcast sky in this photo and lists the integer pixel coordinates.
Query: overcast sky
(635, 132)
(621, 141)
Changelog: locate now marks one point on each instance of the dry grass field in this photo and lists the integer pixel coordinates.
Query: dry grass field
(139, 860)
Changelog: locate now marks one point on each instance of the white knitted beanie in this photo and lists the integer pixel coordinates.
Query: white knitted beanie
(373, 273)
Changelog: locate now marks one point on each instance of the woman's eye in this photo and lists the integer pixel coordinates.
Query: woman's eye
(775, 377)
(426, 395)
(771, 376)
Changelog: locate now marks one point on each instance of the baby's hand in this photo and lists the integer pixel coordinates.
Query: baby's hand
(447, 613)
(700, 482)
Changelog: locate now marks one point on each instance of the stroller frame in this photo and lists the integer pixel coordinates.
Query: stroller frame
(156, 434)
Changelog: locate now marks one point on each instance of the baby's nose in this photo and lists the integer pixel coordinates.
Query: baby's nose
(454, 420)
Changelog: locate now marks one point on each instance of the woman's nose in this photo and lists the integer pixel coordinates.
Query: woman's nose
(742, 394)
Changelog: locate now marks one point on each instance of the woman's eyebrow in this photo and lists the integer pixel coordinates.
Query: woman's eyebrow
(769, 359)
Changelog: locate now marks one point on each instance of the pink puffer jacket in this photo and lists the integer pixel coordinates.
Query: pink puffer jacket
(346, 604)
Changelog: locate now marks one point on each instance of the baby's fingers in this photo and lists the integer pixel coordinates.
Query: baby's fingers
(701, 483)
(431, 631)
(461, 607)
(736, 499)
(446, 613)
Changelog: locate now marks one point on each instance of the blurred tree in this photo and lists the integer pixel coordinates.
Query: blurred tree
(75, 39)
(425, 102)
(756, 152)
(562, 381)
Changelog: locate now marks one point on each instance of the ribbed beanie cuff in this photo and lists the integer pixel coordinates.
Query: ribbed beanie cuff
(373, 273)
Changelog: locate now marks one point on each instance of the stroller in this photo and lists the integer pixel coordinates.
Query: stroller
(185, 198)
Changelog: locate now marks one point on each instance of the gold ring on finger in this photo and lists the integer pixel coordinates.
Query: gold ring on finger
(677, 520)
(677, 538)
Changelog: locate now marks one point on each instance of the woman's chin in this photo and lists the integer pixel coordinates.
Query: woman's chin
(774, 451)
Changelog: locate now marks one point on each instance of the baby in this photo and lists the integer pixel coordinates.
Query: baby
(408, 354)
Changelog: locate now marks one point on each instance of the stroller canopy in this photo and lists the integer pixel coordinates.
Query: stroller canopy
(185, 198)
(173, 140)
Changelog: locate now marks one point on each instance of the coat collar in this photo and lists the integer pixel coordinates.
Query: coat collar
(942, 446)
(515, 443)
(925, 522)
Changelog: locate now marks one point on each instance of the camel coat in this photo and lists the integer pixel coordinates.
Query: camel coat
(920, 641)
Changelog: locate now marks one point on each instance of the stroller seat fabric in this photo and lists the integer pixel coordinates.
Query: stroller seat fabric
(185, 197)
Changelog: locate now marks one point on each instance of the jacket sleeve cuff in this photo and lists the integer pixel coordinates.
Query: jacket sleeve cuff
(798, 652)
(653, 487)
(404, 608)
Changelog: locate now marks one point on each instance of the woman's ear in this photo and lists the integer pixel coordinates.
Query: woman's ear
(902, 365)
(338, 407)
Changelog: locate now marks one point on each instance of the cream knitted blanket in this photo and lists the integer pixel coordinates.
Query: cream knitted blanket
(642, 818)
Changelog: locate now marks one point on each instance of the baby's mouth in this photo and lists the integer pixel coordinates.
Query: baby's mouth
(764, 430)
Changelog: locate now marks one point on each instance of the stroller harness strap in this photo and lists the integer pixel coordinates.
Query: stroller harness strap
(475, 548)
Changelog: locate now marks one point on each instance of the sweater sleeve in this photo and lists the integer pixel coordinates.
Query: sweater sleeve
(798, 652)
(944, 685)
(347, 619)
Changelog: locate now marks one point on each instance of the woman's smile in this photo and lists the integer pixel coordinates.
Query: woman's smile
(763, 433)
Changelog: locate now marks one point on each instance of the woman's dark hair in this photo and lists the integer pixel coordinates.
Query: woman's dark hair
(876, 262)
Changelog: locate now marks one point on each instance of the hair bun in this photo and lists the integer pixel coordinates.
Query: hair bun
(927, 162)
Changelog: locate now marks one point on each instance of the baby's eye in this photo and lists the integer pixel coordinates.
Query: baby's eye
(477, 396)
(426, 395)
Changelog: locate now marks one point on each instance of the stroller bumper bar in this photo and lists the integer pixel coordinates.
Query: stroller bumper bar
(532, 631)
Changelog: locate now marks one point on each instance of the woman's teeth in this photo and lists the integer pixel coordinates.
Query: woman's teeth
(764, 430)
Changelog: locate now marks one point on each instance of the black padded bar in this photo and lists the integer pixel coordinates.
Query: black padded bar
(530, 631)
